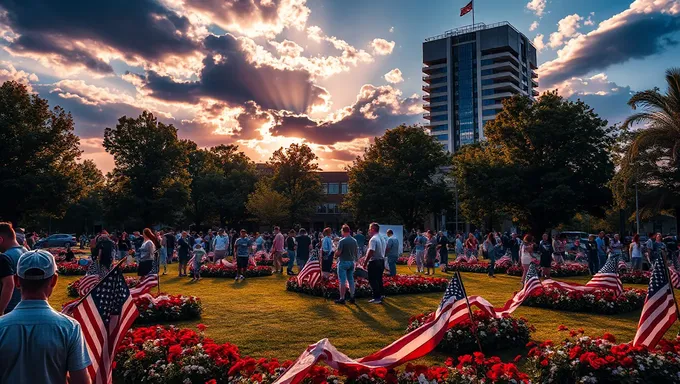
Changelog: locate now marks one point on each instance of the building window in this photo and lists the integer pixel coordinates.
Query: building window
(440, 128)
(438, 99)
(343, 188)
(443, 137)
(487, 82)
(487, 92)
(333, 208)
(333, 188)
(490, 102)
(441, 108)
(439, 118)
(487, 62)
(490, 112)
(324, 186)
(322, 209)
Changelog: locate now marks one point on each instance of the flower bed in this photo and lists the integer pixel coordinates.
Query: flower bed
(556, 270)
(602, 301)
(72, 287)
(163, 308)
(220, 270)
(475, 267)
(173, 355)
(401, 260)
(581, 359)
(71, 268)
(635, 277)
(494, 334)
(397, 285)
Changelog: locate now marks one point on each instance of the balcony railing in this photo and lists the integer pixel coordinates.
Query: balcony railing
(426, 116)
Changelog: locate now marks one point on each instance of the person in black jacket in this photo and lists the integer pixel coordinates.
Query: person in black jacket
(593, 260)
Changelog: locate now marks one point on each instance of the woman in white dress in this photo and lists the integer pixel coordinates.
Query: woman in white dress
(526, 254)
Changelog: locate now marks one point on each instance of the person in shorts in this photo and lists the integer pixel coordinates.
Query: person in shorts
(241, 250)
(220, 245)
(347, 256)
(326, 253)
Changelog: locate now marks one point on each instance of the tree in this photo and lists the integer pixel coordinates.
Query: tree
(238, 178)
(82, 214)
(399, 177)
(295, 176)
(206, 178)
(542, 162)
(651, 156)
(150, 178)
(267, 205)
(38, 156)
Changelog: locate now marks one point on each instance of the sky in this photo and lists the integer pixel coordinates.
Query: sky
(334, 74)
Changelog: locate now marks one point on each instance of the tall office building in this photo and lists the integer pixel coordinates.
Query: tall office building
(469, 71)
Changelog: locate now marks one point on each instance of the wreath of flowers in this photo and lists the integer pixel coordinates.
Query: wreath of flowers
(167, 354)
(556, 270)
(72, 268)
(603, 301)
(581, 359)
(493, 333)
(635, 277)
(221, 270)
(476, 267)
(165, 308)
(393, 285)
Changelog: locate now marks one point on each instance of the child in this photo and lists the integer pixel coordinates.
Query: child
(199, 253)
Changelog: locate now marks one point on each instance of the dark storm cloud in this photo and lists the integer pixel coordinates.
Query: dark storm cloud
(227, 76)
(135, 28)
(376, 109)
(637, 36)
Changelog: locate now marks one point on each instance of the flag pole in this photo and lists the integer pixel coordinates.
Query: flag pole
(670, 285)
(473, 24)
(472, 321)
(96, 285)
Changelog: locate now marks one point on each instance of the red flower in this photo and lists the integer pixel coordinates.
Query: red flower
(609, 337)
(201, 327)
(545, 362)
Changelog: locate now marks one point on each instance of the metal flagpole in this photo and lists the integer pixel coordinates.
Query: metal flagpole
(473, 24)
(472, 321)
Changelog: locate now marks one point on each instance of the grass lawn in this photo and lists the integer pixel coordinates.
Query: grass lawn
(265, 320)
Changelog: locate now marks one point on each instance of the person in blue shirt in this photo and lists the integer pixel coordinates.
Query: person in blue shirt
(361, 241)
(326, 253)
(601, 249)
(259, 242)
(242, 251)
(420, 251)
(11, 248)
(392, 252)
(37, 343)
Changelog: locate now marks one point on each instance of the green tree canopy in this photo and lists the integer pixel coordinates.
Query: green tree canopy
(267, 205)
(399, 177)
(541, 162)
(150, 178)
(295, 176)
(651, 155)
(38, 156)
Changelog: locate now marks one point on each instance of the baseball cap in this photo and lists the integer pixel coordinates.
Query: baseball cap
(41, 260)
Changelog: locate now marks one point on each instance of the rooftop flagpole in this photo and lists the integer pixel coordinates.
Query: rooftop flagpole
(473, 13)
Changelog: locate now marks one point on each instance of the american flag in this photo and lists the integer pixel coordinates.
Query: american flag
(466, 9)
(606, 278)
(145, 285)
(531, 283)
(105, 315)
(413, 345)
(311, 272)
(411, 259)
(87, 283)
(659, 311)
(675, 277)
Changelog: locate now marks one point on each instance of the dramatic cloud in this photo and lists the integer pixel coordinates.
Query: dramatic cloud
(595, 85)
(638, 32)
(533, 26)
(88, 34)
(538, 42)
(8, 72)
(394, 76)
(376, 109)
(608, 99)
(253, 17)
(566, 28)
(382, 47)
(537, 7)
(229, 75)
(589, 21)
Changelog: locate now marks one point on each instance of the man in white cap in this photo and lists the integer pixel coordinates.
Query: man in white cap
(37, 343)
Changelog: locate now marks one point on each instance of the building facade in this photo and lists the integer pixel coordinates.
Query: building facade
(328, 213)
(469, 71)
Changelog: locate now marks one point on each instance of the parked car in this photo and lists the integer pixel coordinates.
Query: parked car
(56, 240)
